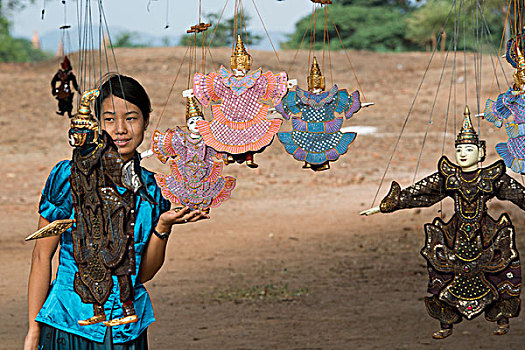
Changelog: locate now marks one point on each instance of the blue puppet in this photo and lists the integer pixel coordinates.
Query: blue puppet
(316, 137)
(511, 104)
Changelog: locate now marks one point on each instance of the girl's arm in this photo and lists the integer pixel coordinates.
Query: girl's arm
(39, 281)
(156, 250)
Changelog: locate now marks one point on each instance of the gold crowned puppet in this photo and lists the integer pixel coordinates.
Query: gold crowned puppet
(472, 259)
(240, 126)
(316, 138)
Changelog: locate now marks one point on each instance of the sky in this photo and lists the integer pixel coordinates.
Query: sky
(133, 15)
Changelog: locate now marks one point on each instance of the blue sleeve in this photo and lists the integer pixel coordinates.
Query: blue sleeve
(348, 103)
(56, 202)
(162, 205)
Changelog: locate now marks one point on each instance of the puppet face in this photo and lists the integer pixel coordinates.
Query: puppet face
(468, 156)
(124, 123)
(192, 124)
(239, 72)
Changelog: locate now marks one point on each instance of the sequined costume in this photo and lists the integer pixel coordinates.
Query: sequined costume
(472, 259)
(104, 188)
(195, 180)
(64, 92)
(103, 242)
(316, 137)
(240, 121)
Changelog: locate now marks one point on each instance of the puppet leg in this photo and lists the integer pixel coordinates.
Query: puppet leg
(446, 314)
(324, 166)
(126, 297)
(445, 331)
(249, 160)
(99, 316)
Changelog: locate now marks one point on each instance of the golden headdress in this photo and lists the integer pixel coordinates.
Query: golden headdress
(467, 134)
(192, 108)
(240, 58)
(519, 75)
(84, 119)
(316, 78)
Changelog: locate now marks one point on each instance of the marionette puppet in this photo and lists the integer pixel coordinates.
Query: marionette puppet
(64, 93)
(511, 104)
(240, 127)
(472, 259)
(195, 180)
(316, 138)
(104, 189)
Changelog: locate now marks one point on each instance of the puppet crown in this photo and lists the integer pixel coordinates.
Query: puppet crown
(316, 78)
(192, 108)
(240, 58)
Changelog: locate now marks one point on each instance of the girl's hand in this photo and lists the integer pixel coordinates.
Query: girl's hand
(32, 339)
(181, 216)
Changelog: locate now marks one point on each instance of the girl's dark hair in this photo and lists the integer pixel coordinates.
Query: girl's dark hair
(125, 88)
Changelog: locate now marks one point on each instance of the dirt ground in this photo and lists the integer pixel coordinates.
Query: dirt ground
(287, 262)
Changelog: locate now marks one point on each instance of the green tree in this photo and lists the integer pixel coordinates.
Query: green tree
(127, 39)
(378, 25)
(470, 22)
(15, 49)
(224, 32)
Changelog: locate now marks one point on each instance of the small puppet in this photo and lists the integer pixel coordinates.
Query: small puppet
(511, 104)
(64, 93)
(473, 262)
(316, 138)
(195, 180)
(240, 126)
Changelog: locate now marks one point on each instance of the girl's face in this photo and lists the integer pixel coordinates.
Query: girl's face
(124, 122)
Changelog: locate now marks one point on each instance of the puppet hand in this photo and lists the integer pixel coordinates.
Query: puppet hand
(370, 211)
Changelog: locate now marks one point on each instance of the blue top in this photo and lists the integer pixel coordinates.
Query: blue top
(63, 307)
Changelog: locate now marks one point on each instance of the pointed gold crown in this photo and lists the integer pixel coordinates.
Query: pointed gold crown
(519, 75)
(240, 58)
(316, 78)
(192, 108)
(84, 120)
(468, 134)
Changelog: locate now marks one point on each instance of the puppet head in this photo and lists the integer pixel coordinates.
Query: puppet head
(470, 150)
(193, 114)
(240, 59)
(65, 64)
(316, 78)
(84, 126)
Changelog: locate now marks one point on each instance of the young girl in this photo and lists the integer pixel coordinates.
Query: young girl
(58, 319)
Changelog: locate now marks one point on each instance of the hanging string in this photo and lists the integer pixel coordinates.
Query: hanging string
(329, 50)
(348, 58)
(172, 87)
(396, 144)
(268, 35)
(429, 123)
(218, 22)
(43, 10)
(312, 34)
(167, 14)
(300, 44)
